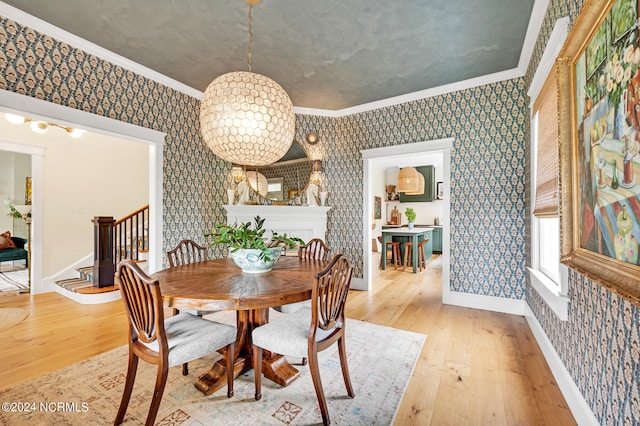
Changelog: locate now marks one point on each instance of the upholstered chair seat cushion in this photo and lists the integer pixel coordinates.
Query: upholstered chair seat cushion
(190, 337)
(288, 335)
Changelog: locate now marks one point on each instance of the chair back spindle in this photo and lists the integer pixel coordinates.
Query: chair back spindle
(316, 249)
(330, 292)
(143, 303)
(186, 252)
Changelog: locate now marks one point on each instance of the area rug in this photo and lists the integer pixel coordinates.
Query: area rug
(14, 280)
(11, 316)
(381, 361)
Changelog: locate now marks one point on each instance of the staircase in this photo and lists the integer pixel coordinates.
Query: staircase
(129, 241)
(81, 289)
(83, 284)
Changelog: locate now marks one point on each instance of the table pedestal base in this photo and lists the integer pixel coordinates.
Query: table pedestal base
(275, 367)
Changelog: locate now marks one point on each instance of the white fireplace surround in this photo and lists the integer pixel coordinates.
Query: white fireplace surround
(304, 222)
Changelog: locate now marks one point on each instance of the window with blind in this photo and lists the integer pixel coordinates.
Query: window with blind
(545, 111)
(548, 276)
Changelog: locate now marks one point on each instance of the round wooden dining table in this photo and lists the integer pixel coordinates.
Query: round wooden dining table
(219, 284)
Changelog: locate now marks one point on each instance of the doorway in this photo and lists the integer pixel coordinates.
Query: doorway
(405, 155)
(46, 111)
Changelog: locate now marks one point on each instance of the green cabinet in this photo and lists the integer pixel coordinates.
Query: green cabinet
(429, 173)
(428, 247)
(437, 239)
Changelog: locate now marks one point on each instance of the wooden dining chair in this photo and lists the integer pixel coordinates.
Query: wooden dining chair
(311, 330)
(179, 339)
(186, 252)
(315, 249)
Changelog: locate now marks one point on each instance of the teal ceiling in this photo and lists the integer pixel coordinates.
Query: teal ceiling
(328, 54)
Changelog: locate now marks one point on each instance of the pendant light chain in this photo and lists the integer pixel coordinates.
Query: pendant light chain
(250, 37)
(247, 118)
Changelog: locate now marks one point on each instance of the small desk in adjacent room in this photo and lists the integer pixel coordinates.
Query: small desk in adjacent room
(403, 235)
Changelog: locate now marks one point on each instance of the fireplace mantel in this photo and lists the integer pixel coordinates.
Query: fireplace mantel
(304, 222)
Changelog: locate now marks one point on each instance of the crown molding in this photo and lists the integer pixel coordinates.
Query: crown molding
(427, 93)
(80, 43)
(535, 22)
(548, 59)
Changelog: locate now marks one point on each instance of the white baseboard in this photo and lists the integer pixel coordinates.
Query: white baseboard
(576, 402)
(358, 284)
(487, 303)
(89, 299)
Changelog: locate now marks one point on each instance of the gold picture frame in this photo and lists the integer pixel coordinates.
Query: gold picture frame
(599, 159)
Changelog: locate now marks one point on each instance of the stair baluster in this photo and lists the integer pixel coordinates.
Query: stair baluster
(115, 240)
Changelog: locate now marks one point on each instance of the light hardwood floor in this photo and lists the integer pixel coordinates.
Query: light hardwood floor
(476, 367)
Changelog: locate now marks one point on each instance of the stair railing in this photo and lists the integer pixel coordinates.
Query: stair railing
(115, 240)
(130, 235)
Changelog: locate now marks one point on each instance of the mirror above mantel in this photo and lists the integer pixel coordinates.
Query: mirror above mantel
(287, 179)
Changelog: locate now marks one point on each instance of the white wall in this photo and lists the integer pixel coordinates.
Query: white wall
(6, 189)
(14, 168)
(7, 160)
(425, 212)
(21, 170)
(95, 175)
(378, 190)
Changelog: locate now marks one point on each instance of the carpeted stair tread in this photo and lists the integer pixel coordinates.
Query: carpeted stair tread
(74, 284)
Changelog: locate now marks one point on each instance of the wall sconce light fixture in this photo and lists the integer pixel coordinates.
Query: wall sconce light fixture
(312, 138)
(237, 173)
(316, 172)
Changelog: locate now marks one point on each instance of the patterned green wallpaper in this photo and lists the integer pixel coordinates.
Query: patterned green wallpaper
(600, 343)
(489, 186)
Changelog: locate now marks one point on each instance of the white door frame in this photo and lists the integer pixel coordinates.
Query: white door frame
(368, 157)
(39, 109)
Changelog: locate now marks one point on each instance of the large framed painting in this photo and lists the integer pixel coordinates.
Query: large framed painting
(599, 119)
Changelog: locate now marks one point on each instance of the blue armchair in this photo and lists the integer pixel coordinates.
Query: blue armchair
(17, 253)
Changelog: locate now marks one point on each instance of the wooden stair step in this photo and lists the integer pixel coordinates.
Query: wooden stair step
(97, 290)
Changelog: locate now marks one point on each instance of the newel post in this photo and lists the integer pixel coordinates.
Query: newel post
(103, 261)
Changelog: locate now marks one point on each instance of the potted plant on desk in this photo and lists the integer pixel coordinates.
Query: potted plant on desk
(248, 247)
(411, 216)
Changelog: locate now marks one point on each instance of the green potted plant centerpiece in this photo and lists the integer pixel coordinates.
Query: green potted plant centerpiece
(411, 216)
(249, 248)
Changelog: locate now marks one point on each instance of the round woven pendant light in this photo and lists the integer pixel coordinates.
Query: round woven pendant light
(408, 180)
(247, 118)
(420, 190)
(258, 182)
